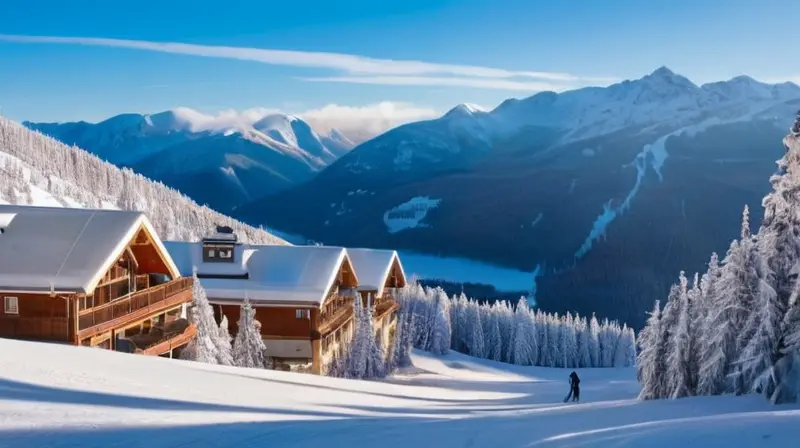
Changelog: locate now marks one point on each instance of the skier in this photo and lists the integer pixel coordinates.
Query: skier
(574, 383)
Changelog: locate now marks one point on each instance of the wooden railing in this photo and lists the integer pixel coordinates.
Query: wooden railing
(41, 328)
(334, 307)
(170, 342)
(133, 305)
(384, 305)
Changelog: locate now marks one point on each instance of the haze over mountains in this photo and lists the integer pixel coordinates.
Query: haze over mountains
(604, 193)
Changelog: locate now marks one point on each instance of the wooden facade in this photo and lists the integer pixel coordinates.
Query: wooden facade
(315, 332)
(135, 296)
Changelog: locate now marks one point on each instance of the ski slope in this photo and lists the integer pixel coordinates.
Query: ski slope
(62, 396)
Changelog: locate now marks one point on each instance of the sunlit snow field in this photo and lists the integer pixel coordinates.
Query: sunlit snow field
(62, 396)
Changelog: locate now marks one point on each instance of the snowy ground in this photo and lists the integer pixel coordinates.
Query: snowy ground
(57, 396)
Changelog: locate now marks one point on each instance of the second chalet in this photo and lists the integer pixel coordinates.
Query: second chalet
(303, 295)
(98, 278)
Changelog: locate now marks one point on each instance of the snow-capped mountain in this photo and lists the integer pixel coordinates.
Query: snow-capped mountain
(218, 161)
(649, 173)
(40, 171)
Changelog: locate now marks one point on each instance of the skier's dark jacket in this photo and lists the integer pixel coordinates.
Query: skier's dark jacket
(574, 381)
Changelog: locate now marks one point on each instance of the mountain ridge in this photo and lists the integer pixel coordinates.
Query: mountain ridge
(547, 183)
(222, 161)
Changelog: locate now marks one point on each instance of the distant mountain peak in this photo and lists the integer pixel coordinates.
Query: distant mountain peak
(663, 72)
(465, 109)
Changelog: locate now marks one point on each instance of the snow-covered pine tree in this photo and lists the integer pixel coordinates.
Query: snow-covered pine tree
(355, 365)
(608, 343)
(374, 354)
(465, 334)
(455, 336)
(494, 339)
(204, 346)
(565, 358)
(779, 246)
(506, 320)
(401, 348)
(594, 341)
(442, 333)
(476, 340)
(651, 361)
(225, 355)
(584, 359)
(731, 300)
(631, 358)
(624, 343)
(524, 339)
(679, 346)
(248, 347)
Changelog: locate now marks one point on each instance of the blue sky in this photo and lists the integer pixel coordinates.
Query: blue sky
(501, 49)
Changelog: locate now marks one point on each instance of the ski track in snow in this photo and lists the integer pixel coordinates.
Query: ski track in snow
(65, 397)
(653, 155)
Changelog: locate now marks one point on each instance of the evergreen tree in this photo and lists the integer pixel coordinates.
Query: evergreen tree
(494, 337)
(248, 347)
(779, 246)
(442, 333)
(204, 347)
(524, 339)
(594, 342)
(584, 359)
(374, 354)
(476, 341)
(679, 346)
(650, 363)
(225, 355)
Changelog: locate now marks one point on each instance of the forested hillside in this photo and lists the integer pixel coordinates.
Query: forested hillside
(38, 170)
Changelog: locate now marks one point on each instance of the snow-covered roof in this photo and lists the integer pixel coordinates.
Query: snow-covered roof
(65, 250)
(373, 267)
(277, 274)
(190, 255)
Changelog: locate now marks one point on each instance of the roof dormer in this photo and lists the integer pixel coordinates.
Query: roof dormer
(219, 247)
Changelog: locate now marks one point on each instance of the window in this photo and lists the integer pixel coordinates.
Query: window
(302, 314)
(11, 305)
(217, 253)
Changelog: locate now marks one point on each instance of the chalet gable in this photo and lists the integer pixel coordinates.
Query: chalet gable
(377, 269)
(63, 250)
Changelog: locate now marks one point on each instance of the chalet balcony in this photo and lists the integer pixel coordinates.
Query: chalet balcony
(337, 311)
(173, 336)
(385, 305)
(132, 307)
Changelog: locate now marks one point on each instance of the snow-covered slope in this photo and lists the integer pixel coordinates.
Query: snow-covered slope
(40, 171)
(243, 157)
(64, 397)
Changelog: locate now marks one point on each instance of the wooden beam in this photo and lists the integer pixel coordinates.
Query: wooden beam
(129, 251)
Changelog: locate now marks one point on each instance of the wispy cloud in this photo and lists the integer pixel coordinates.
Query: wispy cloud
(484, 83)
(360, 68)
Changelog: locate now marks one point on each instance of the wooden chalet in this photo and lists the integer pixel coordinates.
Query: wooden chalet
(380, 275)
(98, 278)
(303, 295)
